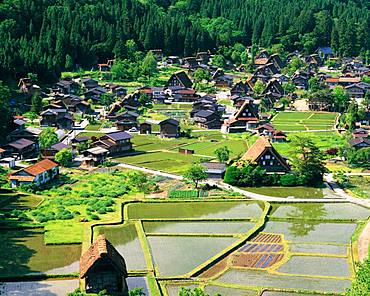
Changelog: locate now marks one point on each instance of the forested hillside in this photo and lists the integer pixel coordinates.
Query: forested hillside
(45, 36)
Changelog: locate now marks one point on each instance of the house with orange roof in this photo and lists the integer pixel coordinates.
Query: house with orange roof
(265, 155)
(38, 174)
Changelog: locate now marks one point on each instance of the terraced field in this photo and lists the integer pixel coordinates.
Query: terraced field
(295, 249)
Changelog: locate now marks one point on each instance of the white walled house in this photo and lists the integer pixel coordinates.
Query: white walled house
(38, 174)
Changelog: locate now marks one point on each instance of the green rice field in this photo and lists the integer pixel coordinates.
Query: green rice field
(304, 121)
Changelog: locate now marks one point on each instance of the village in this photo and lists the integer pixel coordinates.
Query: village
(262, 166)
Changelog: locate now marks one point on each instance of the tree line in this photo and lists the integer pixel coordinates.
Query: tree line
(47, 36)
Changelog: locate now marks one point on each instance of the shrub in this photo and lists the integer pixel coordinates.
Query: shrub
(289, 180)
(94, 217)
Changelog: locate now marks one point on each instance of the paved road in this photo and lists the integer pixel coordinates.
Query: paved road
(233, 188)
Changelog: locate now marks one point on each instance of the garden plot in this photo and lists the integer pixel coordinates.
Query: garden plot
(320, 211)
(254, 278)
(195, 210)
(318, 249)
(183, 254)
(23, 252)
(309, 231)
(316, 266)
(198, 227)
(126, 241)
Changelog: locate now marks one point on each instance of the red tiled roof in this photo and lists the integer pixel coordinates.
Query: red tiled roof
(100, 249)
(332, 80)
(40, 167)
(261, 61)
(350, 79)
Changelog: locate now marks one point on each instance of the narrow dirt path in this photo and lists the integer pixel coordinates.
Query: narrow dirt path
(363, 243)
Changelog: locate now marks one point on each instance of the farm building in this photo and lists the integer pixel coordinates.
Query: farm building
(263, 153)
(145, 128)
(38, 174)
(215, 170)
(103, 268)
(179, 79)
(246, 118)
(21, 148)
(94, 156)
(170, 128)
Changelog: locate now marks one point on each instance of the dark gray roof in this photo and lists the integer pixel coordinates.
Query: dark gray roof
(60, 146)
(21, 143)
(204, 113)
(170, 121)
(357, 141)
(214, 165)
(118, 136)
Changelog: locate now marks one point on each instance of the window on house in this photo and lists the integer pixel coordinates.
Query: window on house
(263, 162)
(271, 162)
(267, 157)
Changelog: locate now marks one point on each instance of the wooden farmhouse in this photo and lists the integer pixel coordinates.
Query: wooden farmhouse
(103, 268)
(21, 148)
(245, 118)
(115, 143)
(265, 155)
(179, 79)
(169, 128)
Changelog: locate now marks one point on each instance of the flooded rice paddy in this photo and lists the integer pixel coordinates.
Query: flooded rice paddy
(198, 210)
(198, 227)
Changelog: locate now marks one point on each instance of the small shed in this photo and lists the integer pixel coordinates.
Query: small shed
(145, 128)
(103, 268)
(170, 128)
(215, 170)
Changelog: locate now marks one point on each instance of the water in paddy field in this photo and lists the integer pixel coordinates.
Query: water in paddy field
(187, 252)
(198, 227)
(204, 210)
(126, 241)
(24, 252)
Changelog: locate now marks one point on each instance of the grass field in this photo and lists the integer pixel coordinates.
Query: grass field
(359, 186)
(323, 140)
(304, 121)
(171, 162)
(162, 154)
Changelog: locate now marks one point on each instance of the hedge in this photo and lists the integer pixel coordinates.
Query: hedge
(188, 194)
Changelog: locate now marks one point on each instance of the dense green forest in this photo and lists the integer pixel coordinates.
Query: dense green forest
(46, 36)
